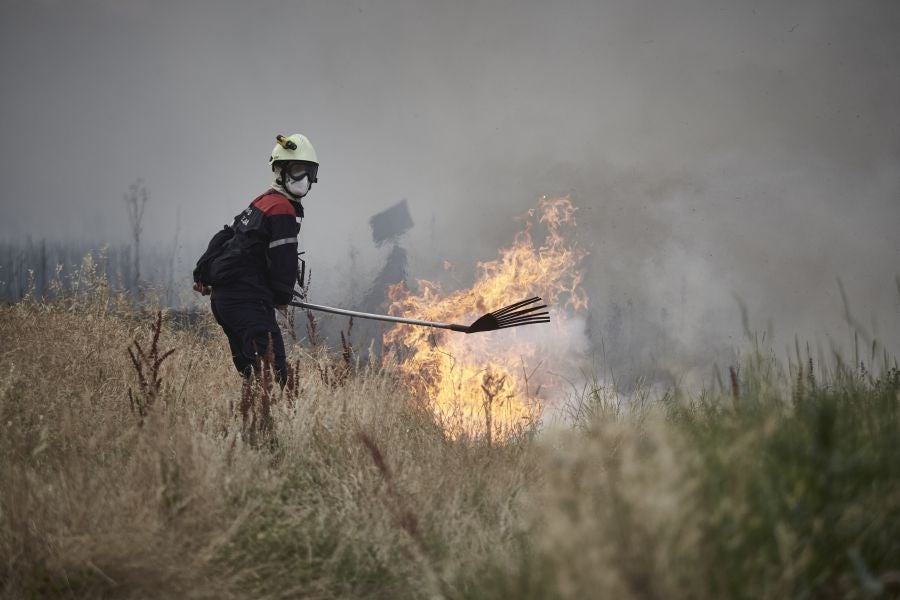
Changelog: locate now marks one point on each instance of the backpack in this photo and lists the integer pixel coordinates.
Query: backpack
(203, 271)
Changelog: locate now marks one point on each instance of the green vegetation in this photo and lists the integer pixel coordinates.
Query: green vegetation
(785, 484)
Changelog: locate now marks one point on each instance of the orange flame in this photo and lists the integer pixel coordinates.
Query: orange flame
(483, 385)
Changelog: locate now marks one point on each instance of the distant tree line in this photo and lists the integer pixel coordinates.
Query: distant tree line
(45, 269)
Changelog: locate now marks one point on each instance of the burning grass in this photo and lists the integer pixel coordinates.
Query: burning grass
(485, 386)
(784, 484)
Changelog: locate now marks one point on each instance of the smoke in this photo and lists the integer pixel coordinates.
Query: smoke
(718, 150)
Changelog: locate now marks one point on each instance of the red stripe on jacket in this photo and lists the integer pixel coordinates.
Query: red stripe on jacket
(275, 204)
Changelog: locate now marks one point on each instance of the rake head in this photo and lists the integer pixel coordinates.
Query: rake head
(514, 315)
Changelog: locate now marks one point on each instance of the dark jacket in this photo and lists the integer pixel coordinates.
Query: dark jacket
(259, 261)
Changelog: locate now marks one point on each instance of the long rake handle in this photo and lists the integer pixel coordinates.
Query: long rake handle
(374, 317)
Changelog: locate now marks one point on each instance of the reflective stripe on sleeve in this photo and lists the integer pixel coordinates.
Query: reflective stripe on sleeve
(283, 241)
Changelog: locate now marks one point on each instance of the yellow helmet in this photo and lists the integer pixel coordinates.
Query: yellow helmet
(295, 147)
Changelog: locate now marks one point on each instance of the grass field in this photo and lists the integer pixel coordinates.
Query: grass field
(784, 483)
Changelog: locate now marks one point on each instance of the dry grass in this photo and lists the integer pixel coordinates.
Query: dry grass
(352, 491)
(169, 495)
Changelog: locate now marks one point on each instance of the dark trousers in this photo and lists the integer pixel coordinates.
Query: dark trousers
(249, 325)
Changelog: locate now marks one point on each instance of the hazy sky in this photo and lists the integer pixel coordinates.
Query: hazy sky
(717, 148)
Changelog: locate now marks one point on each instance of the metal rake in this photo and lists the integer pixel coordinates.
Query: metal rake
(514, 315)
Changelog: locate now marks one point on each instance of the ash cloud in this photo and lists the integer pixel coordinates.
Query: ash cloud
(716, 149)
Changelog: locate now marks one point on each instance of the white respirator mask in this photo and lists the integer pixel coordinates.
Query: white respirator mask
(297, 187)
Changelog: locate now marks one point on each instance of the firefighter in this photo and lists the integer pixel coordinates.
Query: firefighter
(250, 267)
